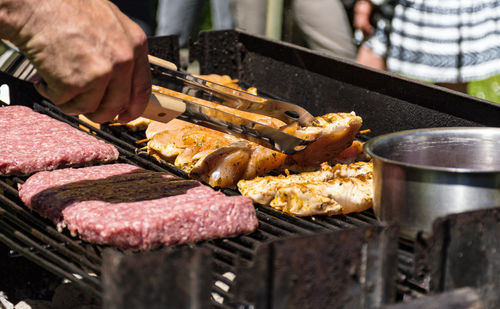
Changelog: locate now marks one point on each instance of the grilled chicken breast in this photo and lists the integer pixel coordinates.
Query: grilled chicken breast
(334, 197)
(214, 157)
(338, 189)
(138, 124)
(335, 133)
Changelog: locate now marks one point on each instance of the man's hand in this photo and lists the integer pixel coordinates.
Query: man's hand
(92, 59)
(363, 10)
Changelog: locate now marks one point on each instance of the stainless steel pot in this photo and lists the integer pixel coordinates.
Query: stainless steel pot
(420, 175)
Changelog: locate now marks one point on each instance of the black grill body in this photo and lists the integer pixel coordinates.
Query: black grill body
(350, 261)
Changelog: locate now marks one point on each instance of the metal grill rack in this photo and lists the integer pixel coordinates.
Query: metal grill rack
(35, 237)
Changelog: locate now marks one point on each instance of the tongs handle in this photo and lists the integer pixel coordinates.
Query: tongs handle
(162, 62)
(163, 108)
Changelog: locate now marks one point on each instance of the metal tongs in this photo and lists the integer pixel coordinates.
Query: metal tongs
(164, 107)
(211, 117)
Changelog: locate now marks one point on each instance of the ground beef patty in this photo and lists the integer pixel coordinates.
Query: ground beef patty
(32, 142)
(131, 208)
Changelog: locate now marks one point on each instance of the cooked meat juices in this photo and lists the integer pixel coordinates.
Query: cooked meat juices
(34, 142)
(131, 208)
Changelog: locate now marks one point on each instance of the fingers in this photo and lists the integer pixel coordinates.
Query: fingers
(362, 14)
(52, 93)
(106, 93)
(128, 92)
(74, 100)
(83, 103)
(141, 77)
(140, 92)
(117, 96)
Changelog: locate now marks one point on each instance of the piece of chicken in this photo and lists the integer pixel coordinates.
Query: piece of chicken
(211, 156)
(335, 133)
(185, 142)
(263, 190)
(352, 154)
(318, 192)
(138, 124)
(217, 158)
(334, 197)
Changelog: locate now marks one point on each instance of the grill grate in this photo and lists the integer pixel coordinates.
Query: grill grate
(36, 239)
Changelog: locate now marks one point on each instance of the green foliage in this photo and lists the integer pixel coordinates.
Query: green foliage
(206, 17)
(488, 89)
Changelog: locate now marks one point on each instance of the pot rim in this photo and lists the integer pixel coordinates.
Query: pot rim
(370, 144)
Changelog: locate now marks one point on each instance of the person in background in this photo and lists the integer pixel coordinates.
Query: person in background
(326, 26)
(182, 17)
(447, 42)
(250, 15)
(91, 58)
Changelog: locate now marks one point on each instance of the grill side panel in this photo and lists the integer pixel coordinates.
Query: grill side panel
(462, 251)
(163, 279)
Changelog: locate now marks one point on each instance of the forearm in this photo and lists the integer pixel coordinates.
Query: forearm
(13, 15)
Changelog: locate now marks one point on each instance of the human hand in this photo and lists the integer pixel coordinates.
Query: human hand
(363, 10)
(92, 58)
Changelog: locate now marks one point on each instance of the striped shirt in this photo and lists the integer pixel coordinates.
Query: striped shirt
(440, 40)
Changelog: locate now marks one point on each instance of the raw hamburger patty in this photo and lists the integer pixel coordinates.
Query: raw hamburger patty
(131, 208)
(32, 142)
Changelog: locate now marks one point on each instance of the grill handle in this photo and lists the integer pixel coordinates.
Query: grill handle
(162, 62)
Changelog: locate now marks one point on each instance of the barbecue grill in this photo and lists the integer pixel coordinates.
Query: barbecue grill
(350, 261)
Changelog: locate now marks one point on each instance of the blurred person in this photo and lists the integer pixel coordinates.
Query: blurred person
(446, 42)
(90, 57)
(183, 17)
(250, 15)
(326, 26)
